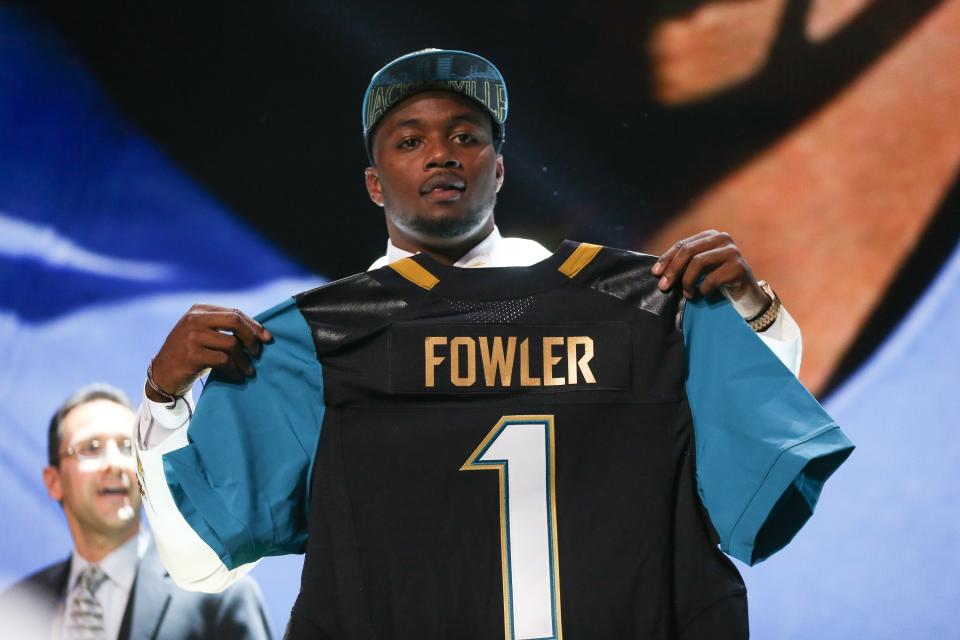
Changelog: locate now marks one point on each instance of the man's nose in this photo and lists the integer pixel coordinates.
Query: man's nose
(442, 156)
(114, 458)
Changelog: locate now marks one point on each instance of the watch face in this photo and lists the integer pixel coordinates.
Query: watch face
(767, 289)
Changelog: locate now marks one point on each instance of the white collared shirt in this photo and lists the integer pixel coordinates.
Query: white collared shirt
(120, 567)
(492, 251)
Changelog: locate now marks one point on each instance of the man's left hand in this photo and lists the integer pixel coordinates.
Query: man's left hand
(711, 254)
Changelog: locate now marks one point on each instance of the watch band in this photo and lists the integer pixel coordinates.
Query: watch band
(763, 320)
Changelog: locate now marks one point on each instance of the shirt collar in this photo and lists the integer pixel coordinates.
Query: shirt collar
(479, 256)
(120, 565)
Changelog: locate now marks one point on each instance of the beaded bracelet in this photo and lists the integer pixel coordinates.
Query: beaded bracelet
(169, 397)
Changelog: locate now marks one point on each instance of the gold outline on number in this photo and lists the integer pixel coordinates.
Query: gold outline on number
(471, 464)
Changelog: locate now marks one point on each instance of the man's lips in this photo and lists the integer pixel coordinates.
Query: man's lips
(113, 491)
(446, 186)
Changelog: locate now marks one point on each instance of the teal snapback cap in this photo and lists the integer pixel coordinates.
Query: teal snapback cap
(460, 72)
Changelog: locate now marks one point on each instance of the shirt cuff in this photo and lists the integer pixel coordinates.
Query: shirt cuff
(156, 421)
(783, 338)
(747, 302)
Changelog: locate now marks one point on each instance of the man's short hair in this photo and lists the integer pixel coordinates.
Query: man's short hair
(89, 393)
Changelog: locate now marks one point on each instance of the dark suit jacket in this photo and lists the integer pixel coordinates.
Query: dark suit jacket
(157, 608)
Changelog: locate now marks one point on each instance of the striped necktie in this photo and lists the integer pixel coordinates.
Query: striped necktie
(85, 621)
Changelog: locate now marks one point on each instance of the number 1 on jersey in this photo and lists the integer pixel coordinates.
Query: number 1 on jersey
(521, 450)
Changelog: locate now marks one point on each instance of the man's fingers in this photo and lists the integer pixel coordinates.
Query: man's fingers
(258, 331)
(727, 273)
(680, 260)
(250, 332)
(224, 365)
(214, 341)
(208, 336)
(663, 262)
(240, 358)
(701, 264)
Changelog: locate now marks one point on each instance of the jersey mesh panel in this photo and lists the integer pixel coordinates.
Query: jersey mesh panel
(492, 311)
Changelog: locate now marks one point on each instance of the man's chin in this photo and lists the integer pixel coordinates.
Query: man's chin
(119, 530)
(445, 226)
(120, 518)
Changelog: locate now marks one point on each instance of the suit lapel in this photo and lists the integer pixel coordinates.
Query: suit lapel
(150, 598)
(58, 578)
(55, 587)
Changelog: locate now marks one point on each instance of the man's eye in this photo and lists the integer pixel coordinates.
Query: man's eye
(90, 448)
(463, 138)
(409, 143)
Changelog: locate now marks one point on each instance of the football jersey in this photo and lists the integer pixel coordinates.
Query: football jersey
(518, 452)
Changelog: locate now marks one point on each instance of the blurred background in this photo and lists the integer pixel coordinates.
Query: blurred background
(153, 155)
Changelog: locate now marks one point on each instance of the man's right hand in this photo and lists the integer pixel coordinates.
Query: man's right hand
(206, 337)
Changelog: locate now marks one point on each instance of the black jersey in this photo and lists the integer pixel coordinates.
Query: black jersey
(507, 453)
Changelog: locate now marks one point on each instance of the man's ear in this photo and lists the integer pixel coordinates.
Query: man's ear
(374, 190)
(499, 172)
(51, 480)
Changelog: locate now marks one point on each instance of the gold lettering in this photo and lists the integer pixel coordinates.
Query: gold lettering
(498, 355)
(583, 363)
(430, 359)
(389, 92)
(525, 379)
(496, 361)
(376, 104)
(455, 377)
(550, 360)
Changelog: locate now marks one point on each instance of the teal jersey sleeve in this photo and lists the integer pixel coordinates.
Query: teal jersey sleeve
(242, 481)
(764, 445)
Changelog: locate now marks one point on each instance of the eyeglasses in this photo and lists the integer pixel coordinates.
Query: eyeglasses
(96, 449)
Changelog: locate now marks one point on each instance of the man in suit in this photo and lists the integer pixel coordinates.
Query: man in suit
(113, 585)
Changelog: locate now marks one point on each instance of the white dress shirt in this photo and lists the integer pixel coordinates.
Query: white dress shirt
(120, 567)
(492, 251)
